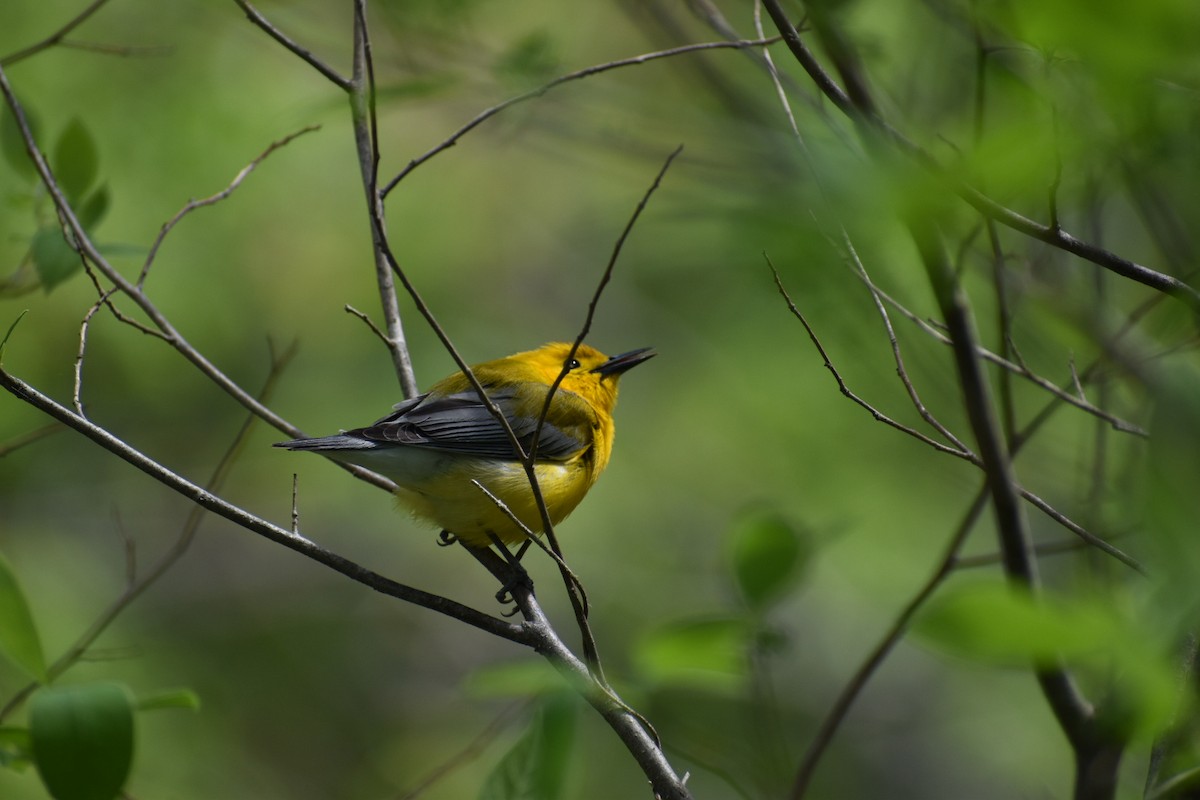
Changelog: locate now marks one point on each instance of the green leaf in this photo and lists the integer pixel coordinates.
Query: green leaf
(75, 161)
(536, 766)
(93, 209)
(769, 556)
(18, 635)
(999, 625)
(708, 653)
(996, 624)
(12, 144)
(16, 748)
(53, 257)
(173, 698)
(82, 739)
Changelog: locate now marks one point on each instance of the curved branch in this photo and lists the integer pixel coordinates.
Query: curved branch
(488, 113)
(242, 518)
(303, 53)
(862, 112)
(54, 38)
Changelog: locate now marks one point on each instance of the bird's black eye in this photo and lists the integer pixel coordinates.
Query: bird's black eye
(573, 364)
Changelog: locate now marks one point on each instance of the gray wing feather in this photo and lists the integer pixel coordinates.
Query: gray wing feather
(460, 423)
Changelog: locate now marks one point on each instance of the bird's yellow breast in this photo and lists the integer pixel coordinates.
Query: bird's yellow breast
(451, 500)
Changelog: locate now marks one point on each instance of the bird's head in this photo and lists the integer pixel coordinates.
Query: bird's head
(591, 374)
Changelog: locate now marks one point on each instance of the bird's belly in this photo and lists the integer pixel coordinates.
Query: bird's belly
(444, 493)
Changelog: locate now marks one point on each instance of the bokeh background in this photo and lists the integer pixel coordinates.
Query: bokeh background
(314, 687)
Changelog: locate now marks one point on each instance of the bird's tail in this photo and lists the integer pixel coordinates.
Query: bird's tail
(341, 441)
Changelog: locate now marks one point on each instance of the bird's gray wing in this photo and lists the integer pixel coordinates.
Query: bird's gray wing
(460, 423)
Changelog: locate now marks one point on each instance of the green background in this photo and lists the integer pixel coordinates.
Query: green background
(313, 686)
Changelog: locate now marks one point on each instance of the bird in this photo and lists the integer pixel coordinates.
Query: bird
(435, 446)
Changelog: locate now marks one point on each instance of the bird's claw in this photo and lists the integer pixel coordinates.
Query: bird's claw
(446, 538)
(519, 579)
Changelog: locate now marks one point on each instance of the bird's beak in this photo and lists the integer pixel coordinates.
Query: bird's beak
(618, 364)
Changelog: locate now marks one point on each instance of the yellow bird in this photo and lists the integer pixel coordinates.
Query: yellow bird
(434, 445)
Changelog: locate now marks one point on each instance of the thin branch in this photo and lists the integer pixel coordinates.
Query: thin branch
(1074, 713)
(1017, 368)
(12, 445)
(122, 50)
(366, 145)
(595, 301)
(837, 713)
(469, 753)
(869, 121)
(135, 587)
(1077, 529)
(488, 113)
(160, 321)
(303, 53)
(967, 455)
(532, 538)
(76, 395)
(847, 392)
(370, 323)
(192, 205)
(54, 38)
(105, 296)
(574, 588)
(1047, 549)
(637, 736)
(901, 371)
(268, 530)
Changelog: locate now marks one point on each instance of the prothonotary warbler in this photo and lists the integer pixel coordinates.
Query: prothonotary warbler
(434, 445)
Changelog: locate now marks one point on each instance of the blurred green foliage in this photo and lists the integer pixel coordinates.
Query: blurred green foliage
(730, 629)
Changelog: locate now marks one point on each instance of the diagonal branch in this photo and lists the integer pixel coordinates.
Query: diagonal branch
(855, 103)
(290, 44)
(168, 331)
(137, 586)
(293, 541)
(366, 143)
(488, 113)
(54, 38)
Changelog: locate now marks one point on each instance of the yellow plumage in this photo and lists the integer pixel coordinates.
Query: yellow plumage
(433, 446)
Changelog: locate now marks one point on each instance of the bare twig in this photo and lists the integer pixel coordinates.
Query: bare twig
(165, 329)
(366, 143)
(12, 445)
(488, 113)
(1017, 367)
(469, 753)
(54, 38)
(135, 586)
(244, 519)
(874, 126)
(370, 323)
(79, 355)
(847, 392)
(836, 715)
(295, 504)
(574, 588)
(289, 44)
(967, 455)
(1075, 714)
(913, 395)
(531, 537)
(122, 50)
(192, 205)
